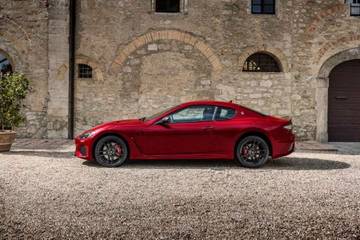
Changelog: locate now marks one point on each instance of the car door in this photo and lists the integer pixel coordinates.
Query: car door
(225, 129)
(189, 131)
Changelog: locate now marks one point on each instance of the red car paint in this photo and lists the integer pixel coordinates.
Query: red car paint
(196, 140)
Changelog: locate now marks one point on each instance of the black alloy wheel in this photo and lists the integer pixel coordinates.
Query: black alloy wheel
(111, 151)
(252, 152)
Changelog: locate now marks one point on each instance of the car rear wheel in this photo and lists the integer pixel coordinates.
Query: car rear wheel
(252, 152)
(111, 151)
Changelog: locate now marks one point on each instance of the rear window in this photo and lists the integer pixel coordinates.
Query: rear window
(223, 113)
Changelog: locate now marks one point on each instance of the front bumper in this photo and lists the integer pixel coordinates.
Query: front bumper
(83, 148)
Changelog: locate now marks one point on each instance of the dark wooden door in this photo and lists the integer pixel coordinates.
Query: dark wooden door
(344, 102)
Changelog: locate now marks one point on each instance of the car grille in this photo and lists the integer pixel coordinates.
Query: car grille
(83, 150)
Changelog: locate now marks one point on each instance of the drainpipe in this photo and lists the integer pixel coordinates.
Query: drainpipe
(72, 28)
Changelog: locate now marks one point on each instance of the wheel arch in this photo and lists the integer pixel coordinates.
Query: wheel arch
(258, 134)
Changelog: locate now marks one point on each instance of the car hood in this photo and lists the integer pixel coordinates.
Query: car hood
(128, 122)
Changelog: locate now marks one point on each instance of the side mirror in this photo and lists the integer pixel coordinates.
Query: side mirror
(164, 121)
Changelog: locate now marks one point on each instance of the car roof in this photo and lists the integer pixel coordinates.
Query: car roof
(210, 102)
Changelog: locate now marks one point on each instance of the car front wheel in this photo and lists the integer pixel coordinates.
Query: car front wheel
(111, 151)
(252, 152)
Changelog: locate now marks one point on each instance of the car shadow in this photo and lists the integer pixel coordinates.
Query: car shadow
(285, 163)
(296, 163)
(41, 154)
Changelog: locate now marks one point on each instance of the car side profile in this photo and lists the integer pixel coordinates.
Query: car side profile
(193, 130)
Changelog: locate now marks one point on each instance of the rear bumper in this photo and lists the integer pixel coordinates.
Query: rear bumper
(83, 148)
(284, 145)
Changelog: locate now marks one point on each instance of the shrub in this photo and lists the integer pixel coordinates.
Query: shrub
(13, 90)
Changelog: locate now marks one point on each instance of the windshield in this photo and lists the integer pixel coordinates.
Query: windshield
(156, 114)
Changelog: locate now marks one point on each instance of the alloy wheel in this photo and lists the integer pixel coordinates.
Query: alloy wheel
(252, 152)
(111, 151)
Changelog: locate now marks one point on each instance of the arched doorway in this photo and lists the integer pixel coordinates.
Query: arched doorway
(344, 102)
(322, 90)
(5, 64)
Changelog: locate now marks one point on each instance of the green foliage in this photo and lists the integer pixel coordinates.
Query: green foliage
(13, 90)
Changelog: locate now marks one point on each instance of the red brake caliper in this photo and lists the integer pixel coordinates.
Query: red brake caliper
(118, 150)
(245, 151)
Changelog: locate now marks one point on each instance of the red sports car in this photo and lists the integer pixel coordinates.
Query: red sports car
(194, 130)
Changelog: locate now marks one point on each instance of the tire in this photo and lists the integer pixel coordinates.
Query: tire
(252, 152)
(111, 151)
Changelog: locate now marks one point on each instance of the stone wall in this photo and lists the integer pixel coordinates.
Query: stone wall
(316, 26)
(141, 78)
(139, 85)
(23, 37)
(140, 88)
(144, 61)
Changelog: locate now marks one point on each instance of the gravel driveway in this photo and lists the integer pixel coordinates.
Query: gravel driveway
(306, 195)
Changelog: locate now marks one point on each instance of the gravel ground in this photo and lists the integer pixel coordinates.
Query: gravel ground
(304, 196)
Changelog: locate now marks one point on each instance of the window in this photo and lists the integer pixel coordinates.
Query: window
(355, 8)
(85, 71)
(193, 114)
(263, 6)
(167, 6)
(156, 114)
(261, 62)
(5, 65)
(224, 113)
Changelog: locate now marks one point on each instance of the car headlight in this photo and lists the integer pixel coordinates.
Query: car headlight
(288, 127)
(86, 135)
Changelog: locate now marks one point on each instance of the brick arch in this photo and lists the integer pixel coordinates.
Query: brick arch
(322, 86)
(11, 43)
(154, 36)
(333, 47)
(320, 18)
(21, 33)
(12, 54)
(277, 54)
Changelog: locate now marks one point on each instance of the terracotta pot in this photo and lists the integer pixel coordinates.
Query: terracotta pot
(7, 138)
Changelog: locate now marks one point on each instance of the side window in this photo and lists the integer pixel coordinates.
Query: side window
(169, 6)
(85, 71)
(355, 8)
(5, 65)
(263, 6)
(193, 114)
(224, 114)
(261, 62)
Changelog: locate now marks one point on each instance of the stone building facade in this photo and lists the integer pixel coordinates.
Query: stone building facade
(143, 61)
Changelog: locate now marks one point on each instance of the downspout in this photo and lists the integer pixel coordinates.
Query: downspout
(72, 28)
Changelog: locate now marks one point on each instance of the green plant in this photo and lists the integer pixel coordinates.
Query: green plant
(13, 90)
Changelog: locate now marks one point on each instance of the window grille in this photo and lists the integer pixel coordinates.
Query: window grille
(355, 8)
(85, 71)
(263, 6)
(261, 62)
(167, 6)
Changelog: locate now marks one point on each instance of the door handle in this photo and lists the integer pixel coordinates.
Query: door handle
(208, 128)
(341, 98)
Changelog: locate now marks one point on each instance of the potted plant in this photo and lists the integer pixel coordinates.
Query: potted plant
(13, 90)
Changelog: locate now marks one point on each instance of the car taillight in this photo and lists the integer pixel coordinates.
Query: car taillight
(289, 126)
